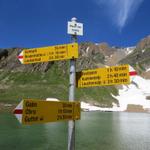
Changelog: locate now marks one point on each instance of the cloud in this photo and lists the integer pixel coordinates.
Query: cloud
(120, 11)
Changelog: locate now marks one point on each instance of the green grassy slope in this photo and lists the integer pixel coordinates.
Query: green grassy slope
(15, 86)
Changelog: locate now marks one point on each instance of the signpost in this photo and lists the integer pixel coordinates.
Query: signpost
(51, 53)
(74, 29)
(39, 111)
(103, 76)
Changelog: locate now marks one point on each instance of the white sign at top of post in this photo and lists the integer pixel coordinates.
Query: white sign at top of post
(75, 28)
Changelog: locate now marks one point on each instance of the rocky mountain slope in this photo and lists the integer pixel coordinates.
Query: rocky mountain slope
(50, 79)
(140, 58)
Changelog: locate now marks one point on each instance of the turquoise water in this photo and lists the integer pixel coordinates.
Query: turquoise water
(95, 131)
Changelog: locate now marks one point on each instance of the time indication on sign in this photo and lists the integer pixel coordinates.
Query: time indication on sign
(39, 111)
(103, 76)
(51, 53)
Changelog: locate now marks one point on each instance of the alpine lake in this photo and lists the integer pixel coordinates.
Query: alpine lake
(95, 131)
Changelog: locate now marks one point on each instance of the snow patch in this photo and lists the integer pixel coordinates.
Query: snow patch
(129, 50)
(134, 93)
(52, 99)
(88, 107)
(147, 69)
(87, 50)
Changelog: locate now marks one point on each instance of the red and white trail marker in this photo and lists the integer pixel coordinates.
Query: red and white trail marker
(132, 73)
(18, 111)
(20, 57)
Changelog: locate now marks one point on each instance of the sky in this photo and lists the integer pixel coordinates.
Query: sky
(38, 23)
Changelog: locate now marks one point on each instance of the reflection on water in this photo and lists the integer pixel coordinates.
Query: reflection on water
(14, 136)
(56, 134)
(133, 131)
(96, 131)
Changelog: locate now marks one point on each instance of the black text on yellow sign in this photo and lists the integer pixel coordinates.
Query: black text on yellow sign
(40, 111)
(51, 53)
(114, 75)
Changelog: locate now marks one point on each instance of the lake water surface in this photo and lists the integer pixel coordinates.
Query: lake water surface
(95, 131)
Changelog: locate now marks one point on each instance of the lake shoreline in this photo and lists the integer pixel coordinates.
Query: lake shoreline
(9, 107)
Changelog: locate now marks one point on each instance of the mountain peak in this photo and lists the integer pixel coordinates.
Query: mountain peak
(144, 43)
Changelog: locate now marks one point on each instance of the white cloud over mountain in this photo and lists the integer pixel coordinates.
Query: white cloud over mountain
(120, 11)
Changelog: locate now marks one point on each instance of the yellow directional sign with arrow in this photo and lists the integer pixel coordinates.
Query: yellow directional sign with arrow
(103, 76)
(50, 53)
(31, 111)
